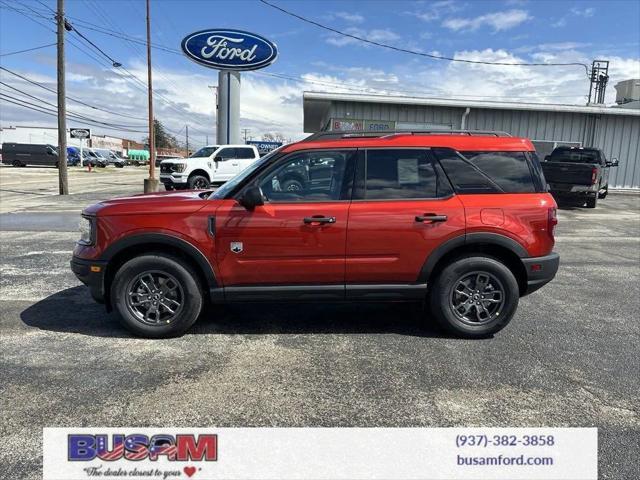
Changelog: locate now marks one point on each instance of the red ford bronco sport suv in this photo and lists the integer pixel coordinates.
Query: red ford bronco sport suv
(460, 220)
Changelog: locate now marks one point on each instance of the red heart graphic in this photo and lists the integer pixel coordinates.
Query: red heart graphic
(189, 471)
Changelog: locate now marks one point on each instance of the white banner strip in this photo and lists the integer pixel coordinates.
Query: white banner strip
(321, 453)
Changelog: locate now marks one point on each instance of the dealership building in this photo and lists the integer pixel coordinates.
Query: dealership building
(615, 130)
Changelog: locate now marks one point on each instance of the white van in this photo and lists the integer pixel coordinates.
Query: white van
(210, 165)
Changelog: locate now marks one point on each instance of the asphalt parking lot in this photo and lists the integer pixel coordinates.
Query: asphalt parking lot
(569, 358)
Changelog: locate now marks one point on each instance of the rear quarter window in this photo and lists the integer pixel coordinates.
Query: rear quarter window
(509, 170)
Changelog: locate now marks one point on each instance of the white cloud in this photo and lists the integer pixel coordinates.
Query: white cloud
(436, 10)
(497, 21)
(350, 17)
(583, 12)
(375, 35)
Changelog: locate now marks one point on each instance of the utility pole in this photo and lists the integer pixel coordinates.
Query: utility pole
(244, 133)
(187, 130)
(151, 183)
(63, 185)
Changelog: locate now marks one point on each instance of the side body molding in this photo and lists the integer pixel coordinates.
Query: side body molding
(164, 239)
(466, 240)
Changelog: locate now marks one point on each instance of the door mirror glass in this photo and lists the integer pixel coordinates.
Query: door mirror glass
(251, 198)
(217, 159)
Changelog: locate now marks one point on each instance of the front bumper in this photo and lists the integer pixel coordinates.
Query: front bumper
(173, 179)
(540, 270)
(91, 273)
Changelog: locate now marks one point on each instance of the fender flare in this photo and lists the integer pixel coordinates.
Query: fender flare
(165, 239)
(465, 240)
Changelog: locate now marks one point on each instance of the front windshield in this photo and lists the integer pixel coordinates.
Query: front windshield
(205, 152)
(235, 181)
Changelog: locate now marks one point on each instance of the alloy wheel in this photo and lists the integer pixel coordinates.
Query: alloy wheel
(477, 298)
(155, 298)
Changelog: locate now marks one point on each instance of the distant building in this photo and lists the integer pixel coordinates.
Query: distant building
(615, 130)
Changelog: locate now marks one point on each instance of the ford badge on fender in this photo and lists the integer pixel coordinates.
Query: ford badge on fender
(229, 49)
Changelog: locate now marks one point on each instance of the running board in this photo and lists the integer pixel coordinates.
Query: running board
(314, 293)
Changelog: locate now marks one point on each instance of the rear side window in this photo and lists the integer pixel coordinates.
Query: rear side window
(400, 174)
(464, 176)
(243, 153)
(510, 170)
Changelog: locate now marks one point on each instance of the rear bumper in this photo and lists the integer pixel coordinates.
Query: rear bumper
(540, 270)
(91, 273)
(569, 189)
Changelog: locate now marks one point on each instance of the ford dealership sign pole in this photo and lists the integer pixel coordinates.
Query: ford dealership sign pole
(230, 52)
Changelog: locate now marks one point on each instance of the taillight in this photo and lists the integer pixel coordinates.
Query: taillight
(594, 175)
(552, 221)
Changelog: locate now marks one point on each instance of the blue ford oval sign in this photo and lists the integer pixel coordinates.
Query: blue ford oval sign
(229, 49)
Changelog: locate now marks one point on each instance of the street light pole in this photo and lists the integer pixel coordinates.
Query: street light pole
(63, 185)
(151, 183)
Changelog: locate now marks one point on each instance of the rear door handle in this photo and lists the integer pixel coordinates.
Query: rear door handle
(431, 218)
(319, 219)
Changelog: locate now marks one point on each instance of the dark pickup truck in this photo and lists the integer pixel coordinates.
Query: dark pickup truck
(578, 174)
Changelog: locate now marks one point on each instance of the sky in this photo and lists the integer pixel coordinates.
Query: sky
(310, 58)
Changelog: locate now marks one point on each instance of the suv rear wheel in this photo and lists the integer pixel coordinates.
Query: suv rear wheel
(157, 296)
(474, 297)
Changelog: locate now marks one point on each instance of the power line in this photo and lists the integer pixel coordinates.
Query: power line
(27, 50)
(69, 97)
(78, 115)
(414, 52)
(41, 109)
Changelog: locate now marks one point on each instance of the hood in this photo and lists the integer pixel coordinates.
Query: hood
(182, 202)
(182, 160)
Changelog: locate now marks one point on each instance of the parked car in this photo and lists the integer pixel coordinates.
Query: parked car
(427, 219)
(110, 157)
(73, 156)
(161, 158)
(578, 174)
(23, 154)
(210, 165)
(94, 159)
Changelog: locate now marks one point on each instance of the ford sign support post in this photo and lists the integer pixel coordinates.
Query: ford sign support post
(230, 52)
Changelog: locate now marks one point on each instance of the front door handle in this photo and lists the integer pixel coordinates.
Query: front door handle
(319, 219)
(431, 218)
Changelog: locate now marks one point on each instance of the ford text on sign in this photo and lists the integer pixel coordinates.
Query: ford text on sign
(229, 49)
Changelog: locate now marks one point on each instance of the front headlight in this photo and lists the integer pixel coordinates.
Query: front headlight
(86, 231)
(179, 167)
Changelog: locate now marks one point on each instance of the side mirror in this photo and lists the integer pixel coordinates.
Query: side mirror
(546, 159)
(217, 159)
(614, 162)
(251, 198)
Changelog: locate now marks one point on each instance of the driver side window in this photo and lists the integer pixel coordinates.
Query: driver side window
(316, 176)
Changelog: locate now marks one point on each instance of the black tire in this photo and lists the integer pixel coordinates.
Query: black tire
(442, 297)
(189, 289)
(119, 165)
(592, 202)
(198, 182)
(16, 163)
(292, 185)
(168, 187)
(136, 163)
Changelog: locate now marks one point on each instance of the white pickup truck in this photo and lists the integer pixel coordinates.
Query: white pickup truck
(210, 165)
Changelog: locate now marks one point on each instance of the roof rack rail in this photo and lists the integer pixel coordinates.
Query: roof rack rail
(387, 133)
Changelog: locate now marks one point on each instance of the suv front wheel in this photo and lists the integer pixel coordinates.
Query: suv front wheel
(474, 297)
(157, 296)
